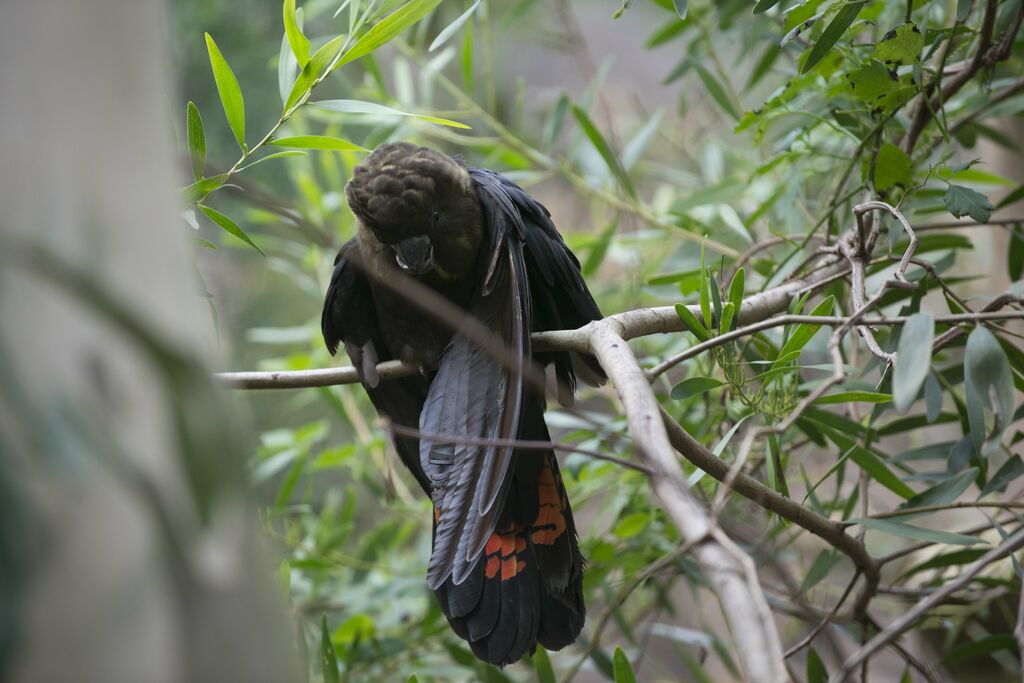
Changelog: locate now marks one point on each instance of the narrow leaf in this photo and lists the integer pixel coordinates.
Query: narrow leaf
(691, 322)
(453, 28)
(693, 386)
(299, 43)
(717, 91)
(918, 533)
(986, 371)
(374, 109)
(682, 6)
(870, 463)
(913, 360)
(228, 225)
(286, 66)
(604, 149)
(328, 658)
(196, 140)
(1010, 471)
(199, 189)
(622, 668)
(389, 27)
(932, 398)
(854, 397)
(728, 311)
(804, 332)
(313, 70)
(230, 93)
(542, 665)
(1015, 255)
(844, 18)
(319, 142)
(816, 671)
(943, 492)
(764, 5)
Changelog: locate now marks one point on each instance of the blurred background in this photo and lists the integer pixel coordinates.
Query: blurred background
(665, 147)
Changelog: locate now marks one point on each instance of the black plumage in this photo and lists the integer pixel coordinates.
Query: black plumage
(505, 565)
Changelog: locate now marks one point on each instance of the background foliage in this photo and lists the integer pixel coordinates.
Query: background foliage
(691, 153)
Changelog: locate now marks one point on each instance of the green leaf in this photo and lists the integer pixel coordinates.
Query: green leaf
(389, 27)
(199, 189)
(631, 525)
(705, 294)
(622, 668)
(542, 666)
(963, 9)
(635, 147)
(691, 322)
(833, 32)
(299, 43)
(275, 155)
(892, 167)
(917, 533)
(230, 93)
(980, 648)
(717, 91)
(682, 6)
(319, 142)
(453, 28)
(736, 289)
(196, 140)
(986, 369)
(803, 332)
(1015, 255)
(913, 360)
(950, 559)
(286, 66)
(728, 311)
(870, 463)
(693, 386)
(872, 81)
(901, 45)
(943, 492)
(932, 398)
(604, 149)
(816, 671)
(764, 5)
(373, 109)
(820, 568)
(313, 70)
(963, 201)
(1011, 470)
(853, 397)
(228, 225)
(328, 658)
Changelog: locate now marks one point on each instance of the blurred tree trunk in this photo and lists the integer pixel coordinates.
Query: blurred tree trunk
(127, 552)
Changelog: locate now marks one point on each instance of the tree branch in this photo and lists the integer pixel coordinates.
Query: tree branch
(907, 619)
(730, 571)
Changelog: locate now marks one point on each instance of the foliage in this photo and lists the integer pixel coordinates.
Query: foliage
(826, 103)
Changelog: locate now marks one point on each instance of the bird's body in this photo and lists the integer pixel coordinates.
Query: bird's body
(505, 565)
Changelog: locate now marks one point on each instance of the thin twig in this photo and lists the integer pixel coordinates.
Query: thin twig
(826, 620)
(394, 428)
(908, 618)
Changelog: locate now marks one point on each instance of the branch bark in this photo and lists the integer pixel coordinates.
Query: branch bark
(730, 571)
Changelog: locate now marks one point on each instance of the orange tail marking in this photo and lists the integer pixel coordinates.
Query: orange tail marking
(550, 521)
(503, 552)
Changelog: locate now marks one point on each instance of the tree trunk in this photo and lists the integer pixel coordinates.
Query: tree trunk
(123, 557)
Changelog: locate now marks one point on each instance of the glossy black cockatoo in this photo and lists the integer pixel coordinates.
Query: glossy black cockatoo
(506, 565)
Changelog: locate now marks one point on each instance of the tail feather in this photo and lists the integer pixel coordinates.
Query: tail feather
(526, 588)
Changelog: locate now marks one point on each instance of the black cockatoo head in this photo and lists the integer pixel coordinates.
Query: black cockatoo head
(422, 205)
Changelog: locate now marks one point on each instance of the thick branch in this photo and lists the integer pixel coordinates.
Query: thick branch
(731, 572)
